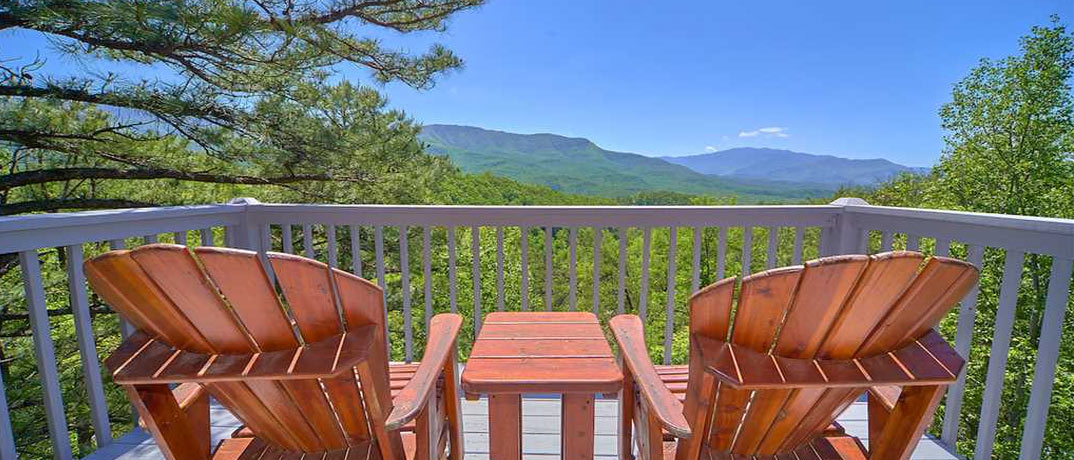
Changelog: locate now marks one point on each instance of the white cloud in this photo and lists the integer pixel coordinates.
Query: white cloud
(710, 149)
(770, 131)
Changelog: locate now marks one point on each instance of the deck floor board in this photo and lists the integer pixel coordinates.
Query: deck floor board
(540, 432)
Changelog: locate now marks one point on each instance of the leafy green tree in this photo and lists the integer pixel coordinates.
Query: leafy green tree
(1010, 134)
(1010, 127)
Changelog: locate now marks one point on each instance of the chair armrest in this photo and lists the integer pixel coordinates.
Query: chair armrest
(408, 403)
(630, 336)
(142, 359)
(929, 360)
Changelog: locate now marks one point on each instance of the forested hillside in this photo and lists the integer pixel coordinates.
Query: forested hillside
(577, 165)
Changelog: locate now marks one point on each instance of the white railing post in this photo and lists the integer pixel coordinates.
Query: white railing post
(7, 437)
(248, 233)
(843, 236)
(91, 369)
(1047, 355)
(45, 354)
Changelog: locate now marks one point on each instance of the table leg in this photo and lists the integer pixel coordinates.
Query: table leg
(577, 426)
(505, 427)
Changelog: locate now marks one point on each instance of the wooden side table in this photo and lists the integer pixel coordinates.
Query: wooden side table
(562, 353)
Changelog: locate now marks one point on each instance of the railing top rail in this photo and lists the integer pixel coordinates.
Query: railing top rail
(75, 219)
(1040, 235)
(20, 233)
(611, 216)
(1029, 223)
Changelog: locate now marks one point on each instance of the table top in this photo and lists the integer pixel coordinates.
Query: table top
(541, 352)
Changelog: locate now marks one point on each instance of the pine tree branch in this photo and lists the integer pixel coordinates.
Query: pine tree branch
(155, 104)
(42, 176)
(399, 15)
(75, 203)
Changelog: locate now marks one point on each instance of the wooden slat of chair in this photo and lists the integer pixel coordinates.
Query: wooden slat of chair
(240, 449)
(739, 367)
(307, 287)
(838, 448)
(763, 301)
(118, 279)
(362, 303)
(178, 276)
(710, 315)
(254, 414)
(884, 281)
(242, 280)
(941, 284)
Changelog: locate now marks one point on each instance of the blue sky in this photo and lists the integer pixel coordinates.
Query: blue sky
(856, 79)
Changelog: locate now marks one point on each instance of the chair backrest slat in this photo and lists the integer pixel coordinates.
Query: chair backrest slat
(881, 285)
(242, 280)
(763, 302)
(118, 279)
(173, 269)
(362, 303)
(307, 286)
(941, 284)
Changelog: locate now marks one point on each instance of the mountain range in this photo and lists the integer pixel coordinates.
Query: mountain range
(577, 165)
(785, 165)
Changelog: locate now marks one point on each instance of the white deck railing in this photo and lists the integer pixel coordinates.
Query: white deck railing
(844, 226)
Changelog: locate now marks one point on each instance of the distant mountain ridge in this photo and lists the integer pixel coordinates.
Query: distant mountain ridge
(577, 165)
(786, 165)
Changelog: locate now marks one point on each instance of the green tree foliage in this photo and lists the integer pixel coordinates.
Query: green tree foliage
(1010, 134)
(241, 93)
(1010, 128)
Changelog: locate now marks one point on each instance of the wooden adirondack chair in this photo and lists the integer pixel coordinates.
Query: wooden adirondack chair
(310, 375)
(767, 378)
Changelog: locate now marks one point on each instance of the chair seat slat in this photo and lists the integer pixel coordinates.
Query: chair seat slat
(883, 368)
(147, 362)
(185, 365)
(127, 350)
(921, 364)
(744, 369)
(944, 353)
(153, 361)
